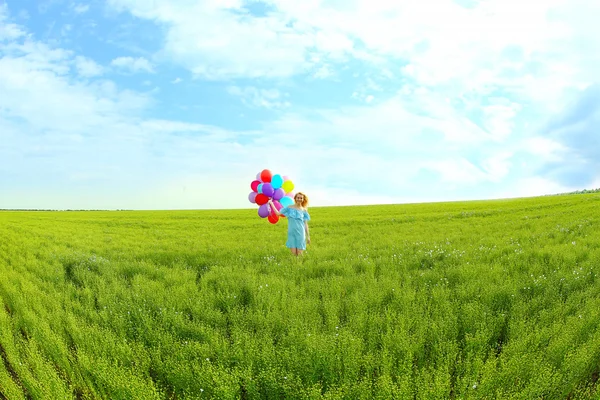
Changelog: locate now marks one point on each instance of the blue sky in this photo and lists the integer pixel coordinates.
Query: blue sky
(171, 104)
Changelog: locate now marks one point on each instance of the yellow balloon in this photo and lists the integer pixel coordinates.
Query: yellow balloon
(287, 186)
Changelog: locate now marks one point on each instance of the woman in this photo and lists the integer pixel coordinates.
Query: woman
(298, 217)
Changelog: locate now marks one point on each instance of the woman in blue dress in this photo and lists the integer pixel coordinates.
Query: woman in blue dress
(298, 217)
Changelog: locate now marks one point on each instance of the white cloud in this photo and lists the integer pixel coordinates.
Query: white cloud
(385, 146)
(457, 171)
(533, 50)
(56, 112)
(131, 64)
(498, 118)
(324, 71)
(497, 63)
(87, 67)
(80, 8)
(8, 30)
(93, 137)
(80, 144)
(215, 41)
(498, 166)
(36, 87)
(256, 97)
(545, 149)
(534, 186)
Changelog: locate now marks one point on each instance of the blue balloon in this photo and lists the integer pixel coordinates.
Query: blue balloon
(276, 181)
(286, 201)
(259, 188)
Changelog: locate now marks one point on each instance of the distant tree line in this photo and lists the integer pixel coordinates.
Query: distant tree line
(584, 191)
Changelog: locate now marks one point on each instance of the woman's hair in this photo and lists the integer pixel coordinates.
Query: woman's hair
(305, 201)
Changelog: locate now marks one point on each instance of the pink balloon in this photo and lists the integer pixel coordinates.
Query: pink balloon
(252, 197)
(254, 185)
(285, 178)
(277, 205)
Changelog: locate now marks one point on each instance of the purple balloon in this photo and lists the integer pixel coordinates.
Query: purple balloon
(258, 177)
(267, 189)
(278, 194)
(252, 197)
(263, 211)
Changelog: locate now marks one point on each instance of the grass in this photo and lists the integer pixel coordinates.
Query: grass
(464, 300)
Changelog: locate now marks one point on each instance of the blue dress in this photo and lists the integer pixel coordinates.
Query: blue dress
(296, 235)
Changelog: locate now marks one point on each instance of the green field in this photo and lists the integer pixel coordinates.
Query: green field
(465, 300)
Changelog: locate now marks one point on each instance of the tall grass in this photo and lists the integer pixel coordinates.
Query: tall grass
(465, 300)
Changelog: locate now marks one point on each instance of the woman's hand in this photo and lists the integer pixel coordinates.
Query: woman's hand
(273, 208)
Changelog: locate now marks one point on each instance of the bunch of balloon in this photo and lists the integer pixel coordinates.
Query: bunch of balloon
(267, 187)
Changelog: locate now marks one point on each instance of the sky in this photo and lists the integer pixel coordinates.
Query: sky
(177, 104)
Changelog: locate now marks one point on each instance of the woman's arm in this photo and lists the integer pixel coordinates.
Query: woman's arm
(273, 208)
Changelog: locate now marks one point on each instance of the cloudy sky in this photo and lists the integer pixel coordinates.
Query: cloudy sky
(169, 104)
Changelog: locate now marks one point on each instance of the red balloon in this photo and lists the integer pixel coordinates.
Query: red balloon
(254, 185)
(273, 218)
(266, 176)
(261, 199)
